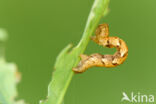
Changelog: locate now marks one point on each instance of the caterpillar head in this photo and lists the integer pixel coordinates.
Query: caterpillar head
(102, 31)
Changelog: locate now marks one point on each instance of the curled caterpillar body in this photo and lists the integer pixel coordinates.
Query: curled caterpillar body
(102, 38)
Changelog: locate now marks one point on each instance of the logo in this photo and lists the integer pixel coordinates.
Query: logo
(137, 98)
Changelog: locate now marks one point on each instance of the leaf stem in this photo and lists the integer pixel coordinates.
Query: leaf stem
(98, 10)
(66, 60)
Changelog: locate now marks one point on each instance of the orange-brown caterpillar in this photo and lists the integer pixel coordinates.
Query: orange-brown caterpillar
(102, 38)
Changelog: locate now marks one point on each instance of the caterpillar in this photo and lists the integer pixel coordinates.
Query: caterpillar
(102, 38)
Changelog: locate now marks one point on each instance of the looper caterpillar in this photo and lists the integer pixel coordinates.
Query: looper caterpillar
(102, 38)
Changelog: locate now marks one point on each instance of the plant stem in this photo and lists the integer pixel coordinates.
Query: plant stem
(66, 60)
(98, 10)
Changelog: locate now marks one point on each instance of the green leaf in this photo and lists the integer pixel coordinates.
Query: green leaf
(8, 80)
(63, 73)
(8, 76)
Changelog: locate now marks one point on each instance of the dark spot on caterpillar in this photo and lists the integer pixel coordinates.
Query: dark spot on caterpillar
(115, 64)
(108, 45)
(125, 54)
(102, 62)
(120, 42)
(108, 41)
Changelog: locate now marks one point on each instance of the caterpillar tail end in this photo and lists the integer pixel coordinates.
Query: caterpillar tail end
(76, 70)
(80, 67)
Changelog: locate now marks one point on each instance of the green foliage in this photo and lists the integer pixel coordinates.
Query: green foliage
(8, 81)
(63, 67)
(68, 59)
(8, 76)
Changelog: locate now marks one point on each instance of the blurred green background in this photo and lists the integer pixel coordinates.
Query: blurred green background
(40, 29)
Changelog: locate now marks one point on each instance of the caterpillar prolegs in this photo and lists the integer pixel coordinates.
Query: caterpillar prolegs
(98, 60)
